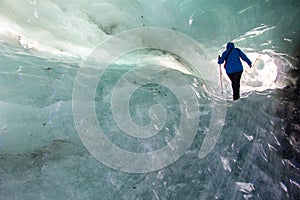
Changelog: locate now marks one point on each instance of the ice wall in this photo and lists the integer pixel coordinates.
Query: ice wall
(43, 45)
(257, 25)
(267, 30)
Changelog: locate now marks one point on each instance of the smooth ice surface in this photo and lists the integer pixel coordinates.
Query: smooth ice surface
(43, 44)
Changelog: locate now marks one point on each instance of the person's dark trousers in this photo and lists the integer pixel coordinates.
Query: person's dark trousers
(235, 83)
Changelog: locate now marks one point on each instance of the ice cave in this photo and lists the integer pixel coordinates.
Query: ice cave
(124, 99)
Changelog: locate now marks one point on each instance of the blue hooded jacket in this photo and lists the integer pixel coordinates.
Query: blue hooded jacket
(233, 63)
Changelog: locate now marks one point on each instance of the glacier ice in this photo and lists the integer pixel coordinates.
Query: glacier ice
(43, 45)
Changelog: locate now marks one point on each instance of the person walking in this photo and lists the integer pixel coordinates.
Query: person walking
(233, 66)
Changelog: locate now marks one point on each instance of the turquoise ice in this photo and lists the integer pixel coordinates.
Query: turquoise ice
(44, 45)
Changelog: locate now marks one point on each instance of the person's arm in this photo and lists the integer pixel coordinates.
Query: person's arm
(245, 58)
(222, 58)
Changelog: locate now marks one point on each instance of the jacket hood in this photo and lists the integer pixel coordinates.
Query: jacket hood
(230, 45)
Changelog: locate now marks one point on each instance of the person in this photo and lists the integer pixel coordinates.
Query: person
(233, 66)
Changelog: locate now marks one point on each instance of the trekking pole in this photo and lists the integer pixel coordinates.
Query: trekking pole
(221, 78)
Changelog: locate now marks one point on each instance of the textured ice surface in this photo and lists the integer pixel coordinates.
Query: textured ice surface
(43, 44)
